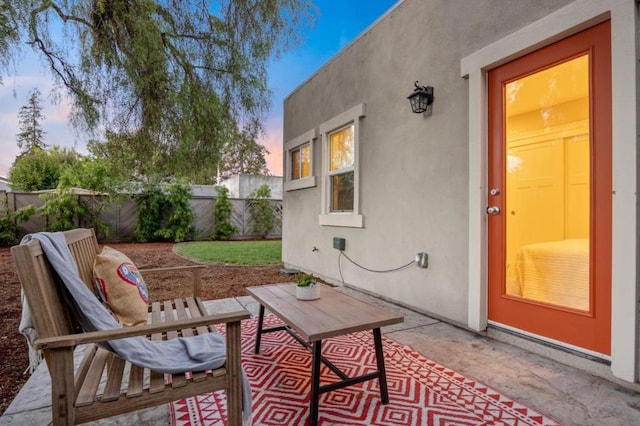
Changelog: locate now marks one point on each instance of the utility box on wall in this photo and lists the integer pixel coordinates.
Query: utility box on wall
(339, 243)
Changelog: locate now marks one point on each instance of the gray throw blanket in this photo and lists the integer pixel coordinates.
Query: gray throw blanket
(198, 353)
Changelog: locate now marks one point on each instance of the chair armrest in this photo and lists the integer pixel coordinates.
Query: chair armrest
(194, 269)
(72, 340)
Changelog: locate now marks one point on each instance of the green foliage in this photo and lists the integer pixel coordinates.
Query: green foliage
(31, 136)
(224, 229)
(164, 217)
(8, 231)
(152, 206)
(233, 252)
(262, 220)
(41, 169)
(92, 217)
(185, 75)
(10, 222)
(8, 33)
(93, 174)
(180, 219)
(243, 155)
(117, 161)
(62, 209)
(304, 280)
(35, 171)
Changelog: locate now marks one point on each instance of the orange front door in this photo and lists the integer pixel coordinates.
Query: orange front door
(549, 213)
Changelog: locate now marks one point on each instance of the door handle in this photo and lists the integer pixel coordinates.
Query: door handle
(493, 210)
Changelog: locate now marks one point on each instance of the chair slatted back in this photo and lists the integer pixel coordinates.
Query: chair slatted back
(84, 248)
(49, 313)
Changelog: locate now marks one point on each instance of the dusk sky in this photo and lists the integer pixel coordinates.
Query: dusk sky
(339, 22)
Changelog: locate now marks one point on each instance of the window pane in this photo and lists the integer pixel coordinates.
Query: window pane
(342, 192)
(341, 146)
(295, 164)
(305, 152)
(548, 185)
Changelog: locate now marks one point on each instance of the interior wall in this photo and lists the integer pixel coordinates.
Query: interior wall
(548, 175)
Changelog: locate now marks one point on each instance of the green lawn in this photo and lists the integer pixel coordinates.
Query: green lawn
(233, 252)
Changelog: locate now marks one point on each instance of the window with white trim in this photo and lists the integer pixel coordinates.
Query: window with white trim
(299, 170)
(301, 162)
(341, 168)
(340, 175)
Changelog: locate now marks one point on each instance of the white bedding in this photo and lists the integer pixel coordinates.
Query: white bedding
(556, 272)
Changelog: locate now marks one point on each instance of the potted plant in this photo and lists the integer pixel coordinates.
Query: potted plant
(306, 287)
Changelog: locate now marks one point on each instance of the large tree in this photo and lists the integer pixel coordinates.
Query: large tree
(31, 136)
(8, 33)
(41, 169)
(243, 154)
(176, 77)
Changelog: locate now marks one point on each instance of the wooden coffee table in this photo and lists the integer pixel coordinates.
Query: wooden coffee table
(310, 322)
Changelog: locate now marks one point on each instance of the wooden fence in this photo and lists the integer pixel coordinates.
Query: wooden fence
(121, 216)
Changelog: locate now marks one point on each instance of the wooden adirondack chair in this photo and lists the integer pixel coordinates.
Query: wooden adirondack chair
(77, 393)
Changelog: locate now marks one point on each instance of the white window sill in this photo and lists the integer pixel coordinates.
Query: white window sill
(350, 220)
(306, 182)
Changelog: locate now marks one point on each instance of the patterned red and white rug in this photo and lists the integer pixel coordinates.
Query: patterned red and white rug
(421, 392)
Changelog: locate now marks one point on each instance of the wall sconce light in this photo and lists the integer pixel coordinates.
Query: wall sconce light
(420, 98)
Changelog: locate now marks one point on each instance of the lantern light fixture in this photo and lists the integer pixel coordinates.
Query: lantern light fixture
(420, 98)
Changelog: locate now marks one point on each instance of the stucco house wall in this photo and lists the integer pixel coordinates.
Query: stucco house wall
(241, 185)
(415, 170)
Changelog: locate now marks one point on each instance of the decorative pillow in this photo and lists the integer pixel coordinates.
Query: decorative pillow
(121, 286)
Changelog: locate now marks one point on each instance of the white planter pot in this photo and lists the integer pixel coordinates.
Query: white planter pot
(311, 292)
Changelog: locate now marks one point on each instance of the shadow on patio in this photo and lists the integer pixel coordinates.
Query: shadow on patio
(569, 395)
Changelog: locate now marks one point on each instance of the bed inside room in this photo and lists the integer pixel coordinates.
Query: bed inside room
(548, 195)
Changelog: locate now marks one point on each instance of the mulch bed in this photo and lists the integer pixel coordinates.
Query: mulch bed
(218, 282)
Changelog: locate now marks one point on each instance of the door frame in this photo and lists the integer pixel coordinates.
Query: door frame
(566, 21)
(590, 328)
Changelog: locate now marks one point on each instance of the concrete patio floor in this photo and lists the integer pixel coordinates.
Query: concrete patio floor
(569, 395)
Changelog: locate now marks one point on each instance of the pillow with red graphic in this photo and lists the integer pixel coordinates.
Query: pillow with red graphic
(121, 287)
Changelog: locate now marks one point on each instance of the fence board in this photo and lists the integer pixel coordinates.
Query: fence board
(202, 208)
(35, 223)
(121, 217)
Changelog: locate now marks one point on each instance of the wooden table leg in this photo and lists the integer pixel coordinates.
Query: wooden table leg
(315, 383)
(377, 339)
(259, 331)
